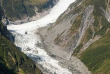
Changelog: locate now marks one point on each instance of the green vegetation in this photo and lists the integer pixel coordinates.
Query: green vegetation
(13, 60)
(1, 13)
(97, 56)
(37, 2)
(18, 9)
(14, 9)
(100, 24)
(76, 24)
(77, 49)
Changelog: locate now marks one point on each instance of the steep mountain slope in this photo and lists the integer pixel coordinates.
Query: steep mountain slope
(97, 56)
(12, 60)
(81, 33)
(24, 9)
(85, 22)
(30, 43)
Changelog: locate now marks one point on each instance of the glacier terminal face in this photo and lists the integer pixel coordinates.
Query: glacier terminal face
(27, 39)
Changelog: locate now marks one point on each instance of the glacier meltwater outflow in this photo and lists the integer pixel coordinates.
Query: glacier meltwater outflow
(27, 39)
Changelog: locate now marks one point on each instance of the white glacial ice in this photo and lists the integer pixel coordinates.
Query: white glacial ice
(27, 40)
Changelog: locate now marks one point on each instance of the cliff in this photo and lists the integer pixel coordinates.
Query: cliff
(78, 33)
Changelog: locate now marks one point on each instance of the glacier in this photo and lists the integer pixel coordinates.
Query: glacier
(26, 39)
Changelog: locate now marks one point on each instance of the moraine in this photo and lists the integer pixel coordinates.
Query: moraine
(27, 39)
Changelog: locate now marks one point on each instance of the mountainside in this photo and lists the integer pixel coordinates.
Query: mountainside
(12, 60)
(97, 56)
(24, 10)
(77, 43)
(28, 40)
(82, 32)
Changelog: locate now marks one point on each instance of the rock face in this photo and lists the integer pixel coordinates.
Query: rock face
(3, 28)
(85, 22)
(75, 28)
(66, 33)
(20, 11)
(78, 33)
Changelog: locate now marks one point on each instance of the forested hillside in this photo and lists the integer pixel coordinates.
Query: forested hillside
(12, 60)
(21, 9)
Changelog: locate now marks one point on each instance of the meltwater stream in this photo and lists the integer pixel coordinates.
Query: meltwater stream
(27, 39)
